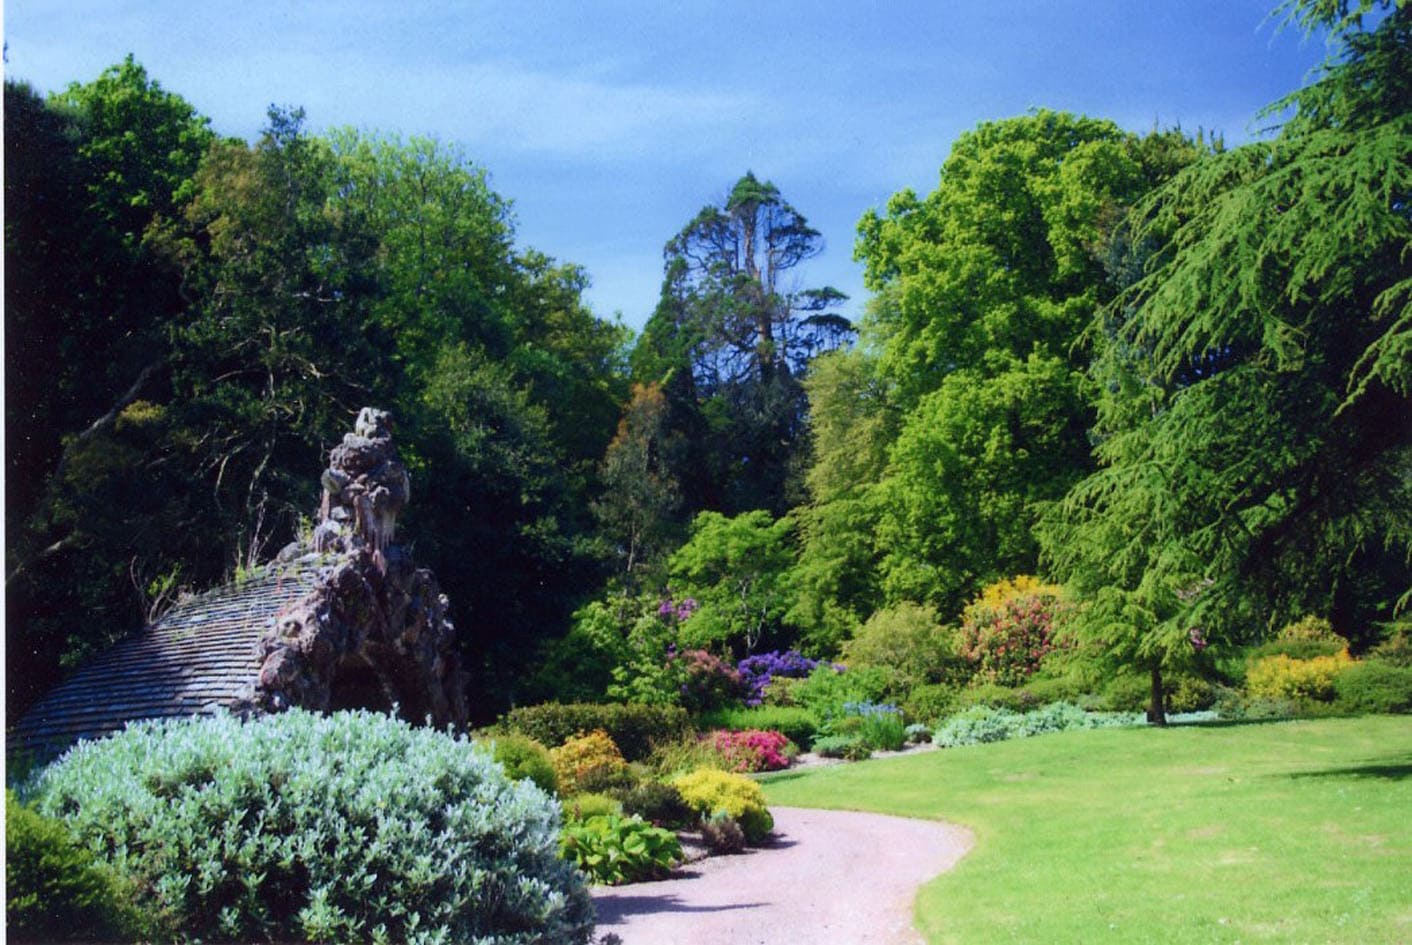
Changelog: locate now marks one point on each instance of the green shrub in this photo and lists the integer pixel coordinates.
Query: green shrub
(1304, 639)
(610, 849)
(708, 791)
(1190, 694)
(826, 690)
(522, 757)
(850, 747)
(982, 724)
(587, 763)
(658, 803)
(910, 645)
(633, 728)
(351, 827)
(55, 890)
(1129, 692)
(591, 804)
(1374, 685)
(797, 724)
(930, 702)
(918, 733)
(1396, 649)
(879, 725)
(998, 697)
(670, 759)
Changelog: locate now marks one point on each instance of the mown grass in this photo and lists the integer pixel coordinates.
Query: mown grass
(1283, 832)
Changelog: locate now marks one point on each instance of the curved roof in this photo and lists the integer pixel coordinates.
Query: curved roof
(196, 660)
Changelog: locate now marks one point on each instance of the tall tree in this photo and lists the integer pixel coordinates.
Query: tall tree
(983, 289)
(736, 336)
(1254, 439)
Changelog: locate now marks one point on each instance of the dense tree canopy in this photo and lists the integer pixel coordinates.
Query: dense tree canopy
(1255, 443)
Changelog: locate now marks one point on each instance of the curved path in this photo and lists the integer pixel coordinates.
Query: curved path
(826, 877)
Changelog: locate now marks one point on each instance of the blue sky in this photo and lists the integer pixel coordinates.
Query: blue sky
(609, 125)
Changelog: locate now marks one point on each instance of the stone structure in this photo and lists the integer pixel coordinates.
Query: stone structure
(344, 620)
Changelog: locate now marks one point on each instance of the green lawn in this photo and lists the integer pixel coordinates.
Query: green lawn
(1281, 832)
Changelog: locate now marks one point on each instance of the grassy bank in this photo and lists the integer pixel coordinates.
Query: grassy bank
(1282, 832)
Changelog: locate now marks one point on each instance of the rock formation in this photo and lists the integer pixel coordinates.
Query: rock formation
(372, 614)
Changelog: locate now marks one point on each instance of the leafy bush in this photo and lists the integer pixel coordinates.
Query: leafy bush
(758, 671)
(610, 849)
(708, 791)
(722, 834)
(670, 759)
(1282, 677)
(982, 724)
(999, 697)
(1374, 685)
(350, 827)
(1009, 629)
(633, 728)
(931, 702)
(591, 804)
(661, 804)
(827, 688)
(1396, 649)
(586, 758)
(56, 891)
(523, 757)
(1304, 639)
(908, 643)
(793, 722)
(850, 747)
(708, 682)
(752, 750)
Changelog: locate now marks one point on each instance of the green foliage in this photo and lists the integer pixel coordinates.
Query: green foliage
(659, 804)
(348, 827)
(1253, 378)
(612, 850)
(982, 724)
(709, 791)
(794, 722)
(524, 758)
(826, 690)
(736, 569)
(589, 804)
(930, 702)
(55, 889)
(1373, 686)
(851, 747)
(907, 642)
(633, 728)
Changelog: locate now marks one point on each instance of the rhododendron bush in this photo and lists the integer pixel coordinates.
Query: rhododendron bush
(752, 749)
(1009, 629)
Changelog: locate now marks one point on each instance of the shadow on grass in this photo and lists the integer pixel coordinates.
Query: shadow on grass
(1391, 769)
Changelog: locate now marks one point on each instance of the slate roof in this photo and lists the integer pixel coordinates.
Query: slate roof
(194, 660)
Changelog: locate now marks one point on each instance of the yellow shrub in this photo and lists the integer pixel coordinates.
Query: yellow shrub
(992, 596)
(1282, 677)
(584, 757)
(709, 791)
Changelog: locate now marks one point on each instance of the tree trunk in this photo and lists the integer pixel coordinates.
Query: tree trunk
(1157, 708)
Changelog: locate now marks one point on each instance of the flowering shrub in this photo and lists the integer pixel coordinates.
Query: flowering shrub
(752, 750)
(758, 671)
(793, 722)
(585, 758)
(350, 827)
(708, 682)
(1008, 630)
(709, 792)
(1282, 677)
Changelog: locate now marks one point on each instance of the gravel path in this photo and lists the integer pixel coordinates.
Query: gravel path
(827, 877)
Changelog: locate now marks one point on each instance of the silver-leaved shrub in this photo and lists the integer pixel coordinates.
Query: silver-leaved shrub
(351, 827)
